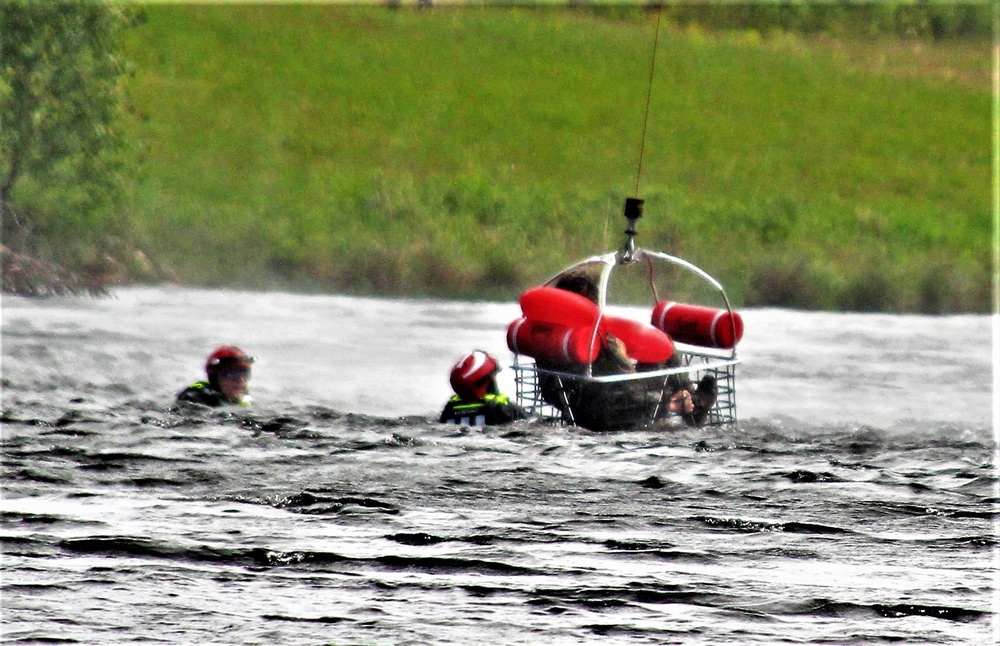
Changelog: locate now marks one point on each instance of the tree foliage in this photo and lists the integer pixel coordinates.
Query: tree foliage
(62, 104)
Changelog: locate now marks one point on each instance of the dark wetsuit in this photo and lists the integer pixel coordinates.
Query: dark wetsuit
(204, 393)
(491, 410)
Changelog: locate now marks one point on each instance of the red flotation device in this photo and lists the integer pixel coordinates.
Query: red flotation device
(644, 343)
(553, 341)
(698, 325)
(558, 325)
(554, 305)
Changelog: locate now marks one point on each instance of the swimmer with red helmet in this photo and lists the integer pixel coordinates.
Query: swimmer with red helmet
(477, 400)
(228, 370)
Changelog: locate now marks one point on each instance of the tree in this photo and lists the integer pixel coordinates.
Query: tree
(62, 105)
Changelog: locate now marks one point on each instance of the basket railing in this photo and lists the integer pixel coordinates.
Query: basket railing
(551, 394)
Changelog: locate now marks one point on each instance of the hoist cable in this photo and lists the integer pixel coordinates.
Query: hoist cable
(649, 93)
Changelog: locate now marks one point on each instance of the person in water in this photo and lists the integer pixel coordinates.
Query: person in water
(613, 406)
(477, 400)
(228, 371)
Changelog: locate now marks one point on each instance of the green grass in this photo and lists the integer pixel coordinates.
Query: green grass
(471, 152)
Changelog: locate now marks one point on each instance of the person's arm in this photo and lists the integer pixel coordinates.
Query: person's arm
(200, 393)
(504, 411)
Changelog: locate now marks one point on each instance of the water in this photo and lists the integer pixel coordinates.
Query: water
(856, 502)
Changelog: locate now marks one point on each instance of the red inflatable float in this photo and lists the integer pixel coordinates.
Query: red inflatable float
(552, 341)
(558, 325)
(698, 325)
(554, 305)
(644, 343)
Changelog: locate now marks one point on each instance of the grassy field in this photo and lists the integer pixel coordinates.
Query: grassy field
(472, 152)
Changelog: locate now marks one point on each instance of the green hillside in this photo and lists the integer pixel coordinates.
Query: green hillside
(471, 152)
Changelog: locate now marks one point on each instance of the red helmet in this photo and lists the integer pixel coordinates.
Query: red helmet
(473, 374)
(227, 356)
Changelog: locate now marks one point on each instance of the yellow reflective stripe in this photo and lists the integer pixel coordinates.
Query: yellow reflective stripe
(472, 406)
(459, 404)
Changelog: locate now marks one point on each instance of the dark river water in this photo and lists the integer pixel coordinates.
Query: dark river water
(856, 501)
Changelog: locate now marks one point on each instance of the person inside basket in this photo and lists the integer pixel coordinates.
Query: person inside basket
(477, 400)
(610, 406)
(228, 372)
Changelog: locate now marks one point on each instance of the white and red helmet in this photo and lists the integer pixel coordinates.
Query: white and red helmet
(472, 376)
(225, 357)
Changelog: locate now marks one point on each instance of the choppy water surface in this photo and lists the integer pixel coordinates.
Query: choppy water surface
(856, 501)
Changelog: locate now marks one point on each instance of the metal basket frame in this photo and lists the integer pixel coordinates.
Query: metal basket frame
(655, 385)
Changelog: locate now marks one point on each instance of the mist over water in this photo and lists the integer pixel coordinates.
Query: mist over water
(855, 502)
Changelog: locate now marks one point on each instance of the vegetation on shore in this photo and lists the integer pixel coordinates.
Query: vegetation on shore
(471, 152)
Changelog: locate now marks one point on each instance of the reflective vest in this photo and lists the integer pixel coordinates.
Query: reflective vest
(201, 392)
(491, 409)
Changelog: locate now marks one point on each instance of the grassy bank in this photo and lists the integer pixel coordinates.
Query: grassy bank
(473, 152)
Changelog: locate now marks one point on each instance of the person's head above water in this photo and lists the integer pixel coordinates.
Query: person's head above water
(473, 377)
(579, 282)
(228, 370)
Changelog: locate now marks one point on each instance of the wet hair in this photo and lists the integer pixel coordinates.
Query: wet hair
(578, 282)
